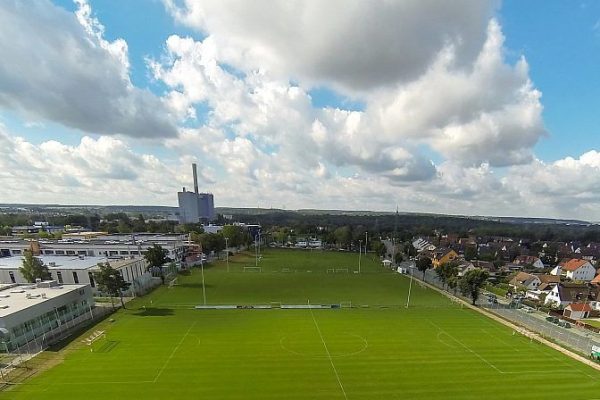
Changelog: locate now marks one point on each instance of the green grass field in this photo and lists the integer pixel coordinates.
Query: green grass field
(160, 348)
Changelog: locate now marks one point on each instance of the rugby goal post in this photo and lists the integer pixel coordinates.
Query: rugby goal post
(252, 269)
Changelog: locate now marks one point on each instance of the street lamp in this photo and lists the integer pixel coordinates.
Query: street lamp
(359, 253)
(227, 253)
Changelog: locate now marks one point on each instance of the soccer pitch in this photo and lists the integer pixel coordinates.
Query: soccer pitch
(160, 348)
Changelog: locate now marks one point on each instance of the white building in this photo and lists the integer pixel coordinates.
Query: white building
(37, 312)
(112, 246)
(576, 270)
(80, 270)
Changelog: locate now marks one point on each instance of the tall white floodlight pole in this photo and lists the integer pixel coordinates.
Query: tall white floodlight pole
(203, 287)
(256, 250)
(409, 288)
(227, 253)
(359, 253)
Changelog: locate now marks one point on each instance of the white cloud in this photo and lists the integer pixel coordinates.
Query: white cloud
(352, 44)
(57, 66)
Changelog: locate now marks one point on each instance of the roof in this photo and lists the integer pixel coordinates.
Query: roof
(20, 297)
(545, 278)
(59, 262)
(523, 278)
(573, 292)
(573, 264)
(526, 260)
(579, 307)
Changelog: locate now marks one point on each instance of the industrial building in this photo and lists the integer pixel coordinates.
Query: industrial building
(195, 207)
(41, 312)
(80, 270)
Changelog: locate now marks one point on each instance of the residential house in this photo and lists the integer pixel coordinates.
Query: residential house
(525, 281)
(529, 260)
(421, 244)
(443, 256)
(547, 283)
(576, 270)
(577, 310)
(464, 267)
(564, 294)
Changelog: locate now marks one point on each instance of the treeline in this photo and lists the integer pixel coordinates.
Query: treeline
(408, 226)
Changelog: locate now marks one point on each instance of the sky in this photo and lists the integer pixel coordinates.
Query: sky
(465, 107)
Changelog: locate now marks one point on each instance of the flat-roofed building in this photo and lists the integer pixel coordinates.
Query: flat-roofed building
(38, 312)
(111, 246)
(80, 270)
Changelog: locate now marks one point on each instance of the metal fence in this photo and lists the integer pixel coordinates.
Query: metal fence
(17, 364)
(575, 337)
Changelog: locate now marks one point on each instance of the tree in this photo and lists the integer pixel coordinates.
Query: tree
(211, 242)
(378, 247)
(111, 281)
(33, 268)
(156, 257)
(446, 271)
(470, 253)
(343, 236)
(423, 264)
(471, 282)
(398, 258)
(234, 235)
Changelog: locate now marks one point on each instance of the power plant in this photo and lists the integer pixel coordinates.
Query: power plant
(195, 207)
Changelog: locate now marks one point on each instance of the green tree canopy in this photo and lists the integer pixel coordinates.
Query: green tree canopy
(156, 257)
(471, 282)
(446, 271)
(33, 268)
(234, 235)
(423, 264)
(111, 281)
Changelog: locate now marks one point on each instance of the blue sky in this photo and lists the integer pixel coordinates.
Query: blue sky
(432, 106)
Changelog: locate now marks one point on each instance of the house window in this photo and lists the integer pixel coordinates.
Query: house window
(91, 277)
(16, 251)
(70, 252)
(75, 277)
(12, 276)
(59, 276)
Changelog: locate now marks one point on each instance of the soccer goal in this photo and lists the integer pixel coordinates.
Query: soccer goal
(341, 270)
(275, 304)
(331, 270)
(345, 304)
(252, 269)
(285, 270)
(172, 283)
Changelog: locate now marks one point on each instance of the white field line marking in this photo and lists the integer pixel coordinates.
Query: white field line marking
(468, 348)
(536, 348)
(328, 354)
(173, 352)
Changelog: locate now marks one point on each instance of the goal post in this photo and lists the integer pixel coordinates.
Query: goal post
(252, 269)
(345, 304)
(285, 270)
(341, 270)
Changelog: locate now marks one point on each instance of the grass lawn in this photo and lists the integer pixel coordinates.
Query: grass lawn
(160, 348)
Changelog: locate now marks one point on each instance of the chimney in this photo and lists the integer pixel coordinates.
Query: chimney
(195, 178)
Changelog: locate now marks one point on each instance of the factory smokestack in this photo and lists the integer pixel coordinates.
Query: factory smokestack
(195, 178)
